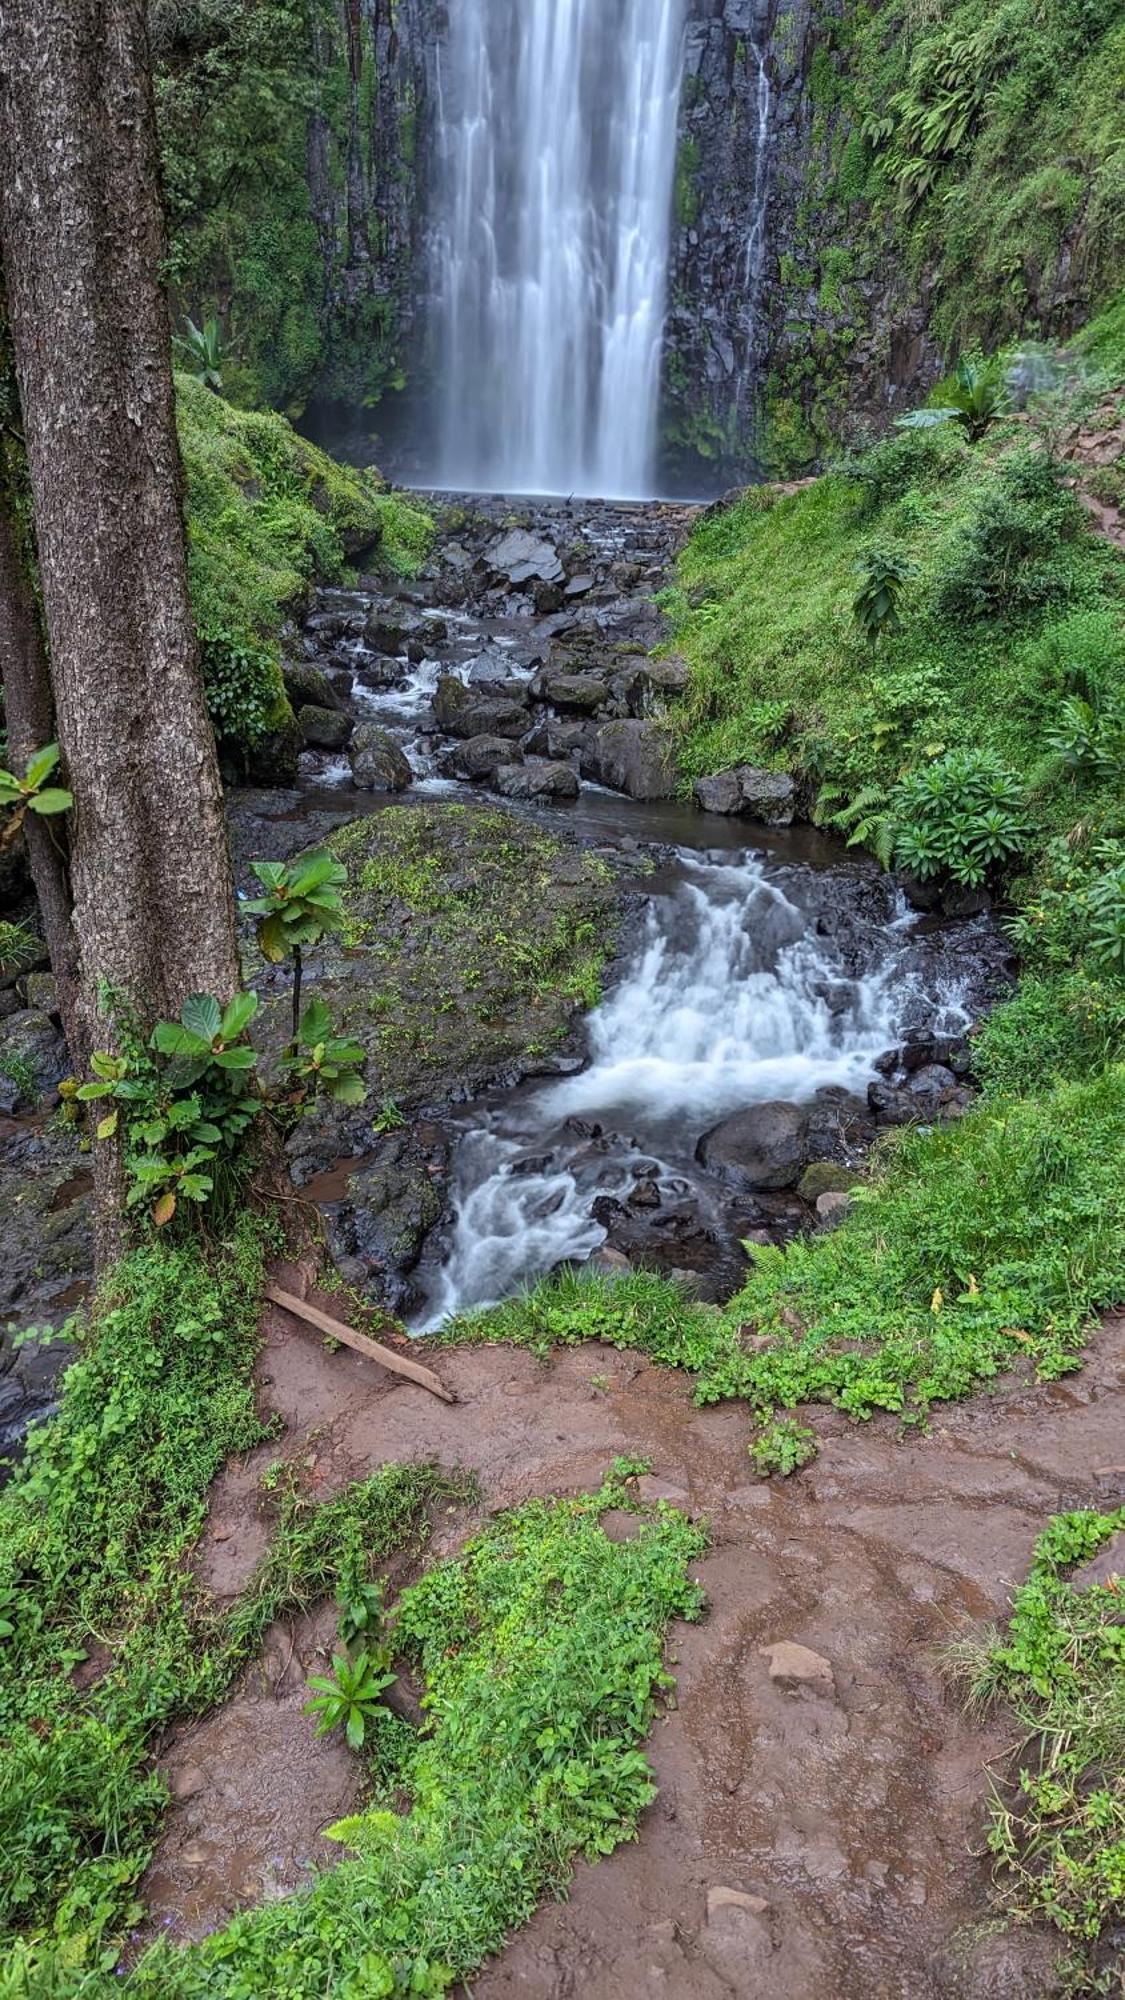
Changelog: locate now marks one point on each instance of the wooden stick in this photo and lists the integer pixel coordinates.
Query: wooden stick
(397, 1363)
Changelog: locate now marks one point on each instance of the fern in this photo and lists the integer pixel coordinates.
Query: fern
(866, 820)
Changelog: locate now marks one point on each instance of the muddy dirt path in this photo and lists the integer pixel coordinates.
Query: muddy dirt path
(837, 1814)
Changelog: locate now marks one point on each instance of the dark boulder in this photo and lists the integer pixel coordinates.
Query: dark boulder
(762, 1147)
(462, 712)
(482, 756)
(378, 762)
(536, 779)
(580, 692)
(310, 687)
(323, 728)
(767, 796)
(632, 757)
(840, 1124)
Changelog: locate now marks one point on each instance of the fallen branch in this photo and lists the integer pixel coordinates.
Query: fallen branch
(397, 1363)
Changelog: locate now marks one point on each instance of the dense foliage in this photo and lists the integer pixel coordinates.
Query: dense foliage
(970, 151)
(268, 515)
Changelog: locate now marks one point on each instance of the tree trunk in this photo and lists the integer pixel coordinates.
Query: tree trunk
(81, 236)
(29, 711)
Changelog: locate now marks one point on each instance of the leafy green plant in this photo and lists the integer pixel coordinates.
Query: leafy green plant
(1089, 739)
(975, 396)
(360, 1612)
(782, 1446)
(1057, 1817)
(185, 1112)
(960, 818)
(877, 606)
(1012, 556)
(31, 793)
(389, 1117)
(300, 906)
(349, 1700)
(320, 1060)
(19, 946)
(201, 348)
(1106, 949)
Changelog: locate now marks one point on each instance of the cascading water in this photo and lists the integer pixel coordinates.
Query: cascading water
(741, 991)
(558, 123)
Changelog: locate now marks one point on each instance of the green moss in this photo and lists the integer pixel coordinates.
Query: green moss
(473, 938)
(269, 515)
(686, 185)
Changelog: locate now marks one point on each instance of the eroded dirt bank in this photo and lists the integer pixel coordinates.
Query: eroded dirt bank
(843, 1816)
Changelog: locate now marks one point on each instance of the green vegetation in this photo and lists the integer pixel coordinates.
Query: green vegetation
(31, 793)
(96, 1531)
(1057, 1821)
(971, 149)
(474, 936)
(309, 281)
(268, 515)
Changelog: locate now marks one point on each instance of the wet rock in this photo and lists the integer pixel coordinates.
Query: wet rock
(579, 586)
(388, 635)
(309, 687)
(763, 1147)
(537, 779)
(186, 1783)
(481, 757)
(323, 728)
(394, 1203)
(548, 597)
(272, 759)
(768, 796)
(958, 901)
(33, 1060)
(378, 761)
(632, 757)
(494, 664)
(461, 712)
(646, 686)
(931, 1080)
(798, 1669)
(559, 738)
(920, 895)
(581, 692)
(523, 557)
(920, 1050)
(840, 1124)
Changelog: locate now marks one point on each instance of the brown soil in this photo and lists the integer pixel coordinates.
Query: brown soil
(845, 1819)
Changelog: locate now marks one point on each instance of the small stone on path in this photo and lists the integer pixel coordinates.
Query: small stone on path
(797, 1668)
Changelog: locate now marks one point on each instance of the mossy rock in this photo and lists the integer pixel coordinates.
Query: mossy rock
(826, 1177)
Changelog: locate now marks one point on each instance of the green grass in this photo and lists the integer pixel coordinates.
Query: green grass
(268, 515)
(1057, 1817)
(97, 1526)
(781, 674)
(541, 1650)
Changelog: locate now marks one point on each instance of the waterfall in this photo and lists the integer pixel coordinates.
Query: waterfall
(557, 123)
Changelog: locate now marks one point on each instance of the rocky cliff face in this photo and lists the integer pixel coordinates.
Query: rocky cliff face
(807, 291)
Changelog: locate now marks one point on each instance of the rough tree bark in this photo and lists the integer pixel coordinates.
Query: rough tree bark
(29, 709)
(81, 237)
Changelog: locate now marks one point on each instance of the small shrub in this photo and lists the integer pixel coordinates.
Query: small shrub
(960, 818)
(1011, 558)
(884, 575)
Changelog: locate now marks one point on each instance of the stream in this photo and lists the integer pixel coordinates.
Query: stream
(770, 977)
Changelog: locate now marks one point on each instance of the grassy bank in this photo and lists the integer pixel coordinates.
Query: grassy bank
(268, 516)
